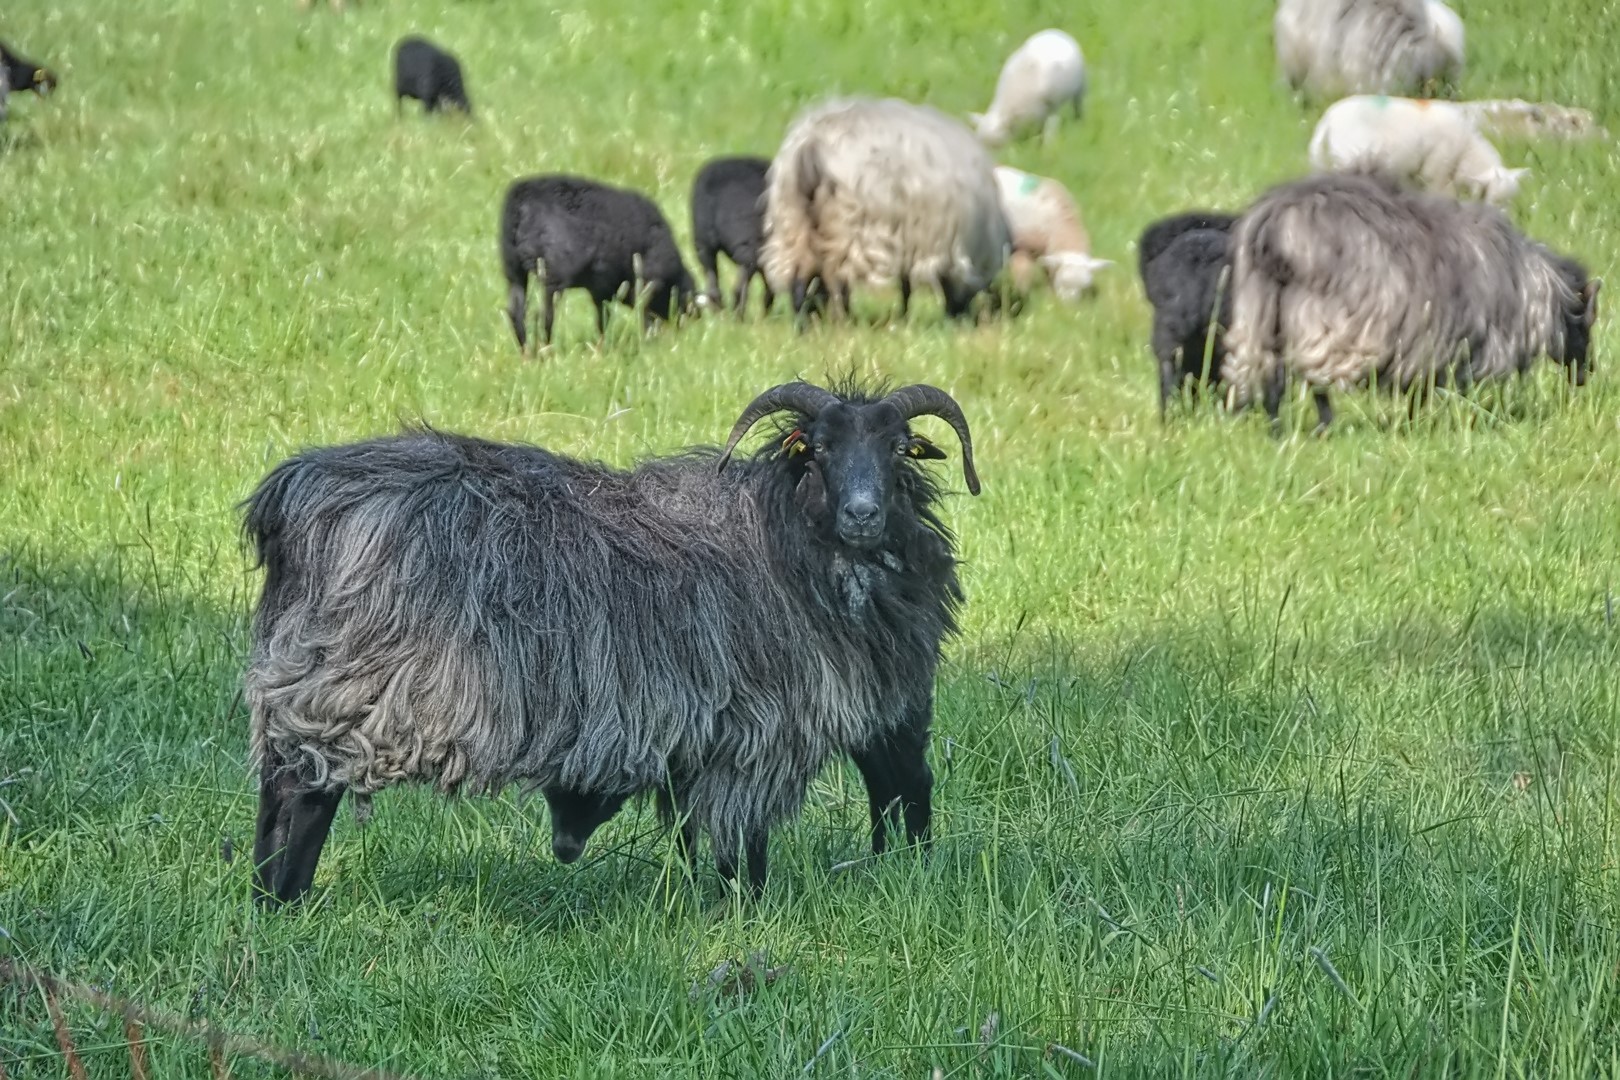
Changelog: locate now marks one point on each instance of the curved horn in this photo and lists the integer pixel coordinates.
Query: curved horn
(800, 396)
(923, 400)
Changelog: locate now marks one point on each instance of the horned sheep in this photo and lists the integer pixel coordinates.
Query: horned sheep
(1046, 231)
(578, 233)
(1340, 279)
(446, 610)
(1043, 76)
(1434, 144)
(877, 191)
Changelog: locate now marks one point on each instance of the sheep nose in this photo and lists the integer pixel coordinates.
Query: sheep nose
(861, 511)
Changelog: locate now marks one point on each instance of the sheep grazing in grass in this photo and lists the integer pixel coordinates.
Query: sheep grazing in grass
(1517, 118)
(1186, 269)
(1045, 74)
(429, 74)
(728, 217)
(446, 610)
(872, 192)
(1330, 48)
(1433, 144)
(577, 233)
(1342, 279)
(19, 74)
(1046, 231)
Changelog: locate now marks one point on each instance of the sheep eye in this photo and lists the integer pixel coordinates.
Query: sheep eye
(902, 447)
(821, 449)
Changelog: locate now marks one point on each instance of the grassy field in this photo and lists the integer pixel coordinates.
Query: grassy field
(1258, 756)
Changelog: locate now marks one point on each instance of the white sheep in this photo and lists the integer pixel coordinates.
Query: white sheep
(1044, 74)
(1046, 230)
(874, 192)
(1327, 48)
(1434, 144)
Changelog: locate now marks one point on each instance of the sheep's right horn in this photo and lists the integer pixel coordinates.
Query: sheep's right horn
(923, 400)
(799, 396)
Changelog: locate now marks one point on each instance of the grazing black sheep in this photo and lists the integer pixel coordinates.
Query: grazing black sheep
(728, 216)
(446, 610)
(429, 74)
(577, 233)
(18, 73)
(1184, 266)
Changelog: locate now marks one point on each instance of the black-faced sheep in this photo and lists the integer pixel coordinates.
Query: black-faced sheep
(1341, 279)
(1185, 267)
(1329, 48)
(428, 74)
(728, 217)
(577, 233)
(451, 611)
(873, 192)
(19, 74)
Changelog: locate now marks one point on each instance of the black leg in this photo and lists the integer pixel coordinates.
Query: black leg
(517, 310)
(752, 848)
(755, 852)
(548, 312)
(770, 297)
(958, 300)
(745, 277)
(711, 274)
(1167, 384)
(1324, 409)
(601, 321)
(1275, 381)
(899, 785)
(905, 294)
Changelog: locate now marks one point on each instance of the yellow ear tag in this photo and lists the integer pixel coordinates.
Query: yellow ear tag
(794, 443)
(916, 450)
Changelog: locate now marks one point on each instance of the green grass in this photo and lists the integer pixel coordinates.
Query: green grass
(1229, 711)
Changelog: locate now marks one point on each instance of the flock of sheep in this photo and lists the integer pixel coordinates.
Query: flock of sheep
(447, 610)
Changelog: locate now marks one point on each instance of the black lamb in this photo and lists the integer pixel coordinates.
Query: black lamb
(428, 74)
(577, 233)
(728, 216)
(1185, 267)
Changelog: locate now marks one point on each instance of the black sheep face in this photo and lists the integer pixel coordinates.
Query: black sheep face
(575, 816)
(855, 452)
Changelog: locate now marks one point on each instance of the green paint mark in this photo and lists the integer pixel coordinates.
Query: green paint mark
(1028, 184)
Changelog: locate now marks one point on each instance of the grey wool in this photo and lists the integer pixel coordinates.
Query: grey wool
(467, 614)
(1340, 279)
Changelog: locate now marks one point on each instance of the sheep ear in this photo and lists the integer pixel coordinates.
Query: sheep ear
(923, 450)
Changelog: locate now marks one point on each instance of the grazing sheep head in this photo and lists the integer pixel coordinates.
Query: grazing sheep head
(1501, 186)
(849, 453)
(1072, 274)
(575, 815)
(1578, 322)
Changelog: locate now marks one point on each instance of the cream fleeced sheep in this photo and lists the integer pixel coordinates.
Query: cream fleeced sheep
(1046, 231)
(872, 192)
(1433, 144)
(1042, 75)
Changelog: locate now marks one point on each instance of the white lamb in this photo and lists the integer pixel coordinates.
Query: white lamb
(1434, 144)
(1044, 74)
(1046, 229)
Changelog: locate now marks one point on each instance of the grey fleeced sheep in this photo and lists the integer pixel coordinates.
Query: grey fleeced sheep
(428, 74)
(728, 217)
(874, 192)
(576, 233)
(1331, 48)
(1341, 279)
(469, 614)
(1185, 267)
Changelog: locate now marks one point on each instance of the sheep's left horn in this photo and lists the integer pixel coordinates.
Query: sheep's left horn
(800, 396)
(923, 400)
